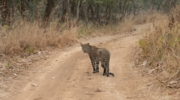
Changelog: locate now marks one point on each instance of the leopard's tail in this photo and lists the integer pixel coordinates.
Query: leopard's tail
(110, 74)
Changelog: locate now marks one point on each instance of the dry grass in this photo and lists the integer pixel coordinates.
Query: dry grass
(127, 24)
(28, 38)
(150, 16)
(124, 26)
(161, 48)
(111, 29)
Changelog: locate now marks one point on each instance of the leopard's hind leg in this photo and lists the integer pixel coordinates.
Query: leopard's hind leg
(103, 64)
(106, 70)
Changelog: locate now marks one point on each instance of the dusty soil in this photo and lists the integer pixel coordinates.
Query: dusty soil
(67, 75)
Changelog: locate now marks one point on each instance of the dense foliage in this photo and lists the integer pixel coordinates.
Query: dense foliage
(96, 11)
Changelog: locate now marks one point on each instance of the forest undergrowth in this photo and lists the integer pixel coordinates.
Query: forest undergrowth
(160, 49)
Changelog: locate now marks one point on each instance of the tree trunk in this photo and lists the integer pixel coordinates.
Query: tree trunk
(134, 7)
(73, 10)
(122, 7)
(85, 9)
(68, 14)
(22, 8)
(77, 18)
(92, 11)
(49, 6)
(107, 16)
(97, 14)
(65, 11)
(13, 10)
(5, 13)
(130, 8)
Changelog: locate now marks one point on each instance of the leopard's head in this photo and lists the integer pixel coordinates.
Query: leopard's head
(85, 47)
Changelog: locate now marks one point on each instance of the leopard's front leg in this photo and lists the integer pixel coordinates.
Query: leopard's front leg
(93, 62)
(95, 65)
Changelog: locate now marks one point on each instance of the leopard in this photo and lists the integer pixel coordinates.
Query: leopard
(98, 55)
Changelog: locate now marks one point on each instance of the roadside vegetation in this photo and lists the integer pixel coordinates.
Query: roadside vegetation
(160, 49)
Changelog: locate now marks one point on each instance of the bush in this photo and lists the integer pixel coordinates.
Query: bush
(161, 48)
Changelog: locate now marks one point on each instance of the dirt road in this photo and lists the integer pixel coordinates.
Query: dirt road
(68, 75)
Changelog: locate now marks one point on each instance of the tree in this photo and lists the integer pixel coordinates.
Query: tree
(5, 13)
(49, 6)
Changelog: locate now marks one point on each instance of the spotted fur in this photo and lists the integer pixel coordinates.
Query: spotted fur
(97, 55)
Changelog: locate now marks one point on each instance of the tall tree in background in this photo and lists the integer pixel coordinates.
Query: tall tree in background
(65, 9)
(5, 12)
(97, 13)
(90, 7)
(21, 8)
(85, 10)
(77, 12)
(49, 6)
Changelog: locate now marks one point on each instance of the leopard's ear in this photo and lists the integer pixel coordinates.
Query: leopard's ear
(88, 44)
